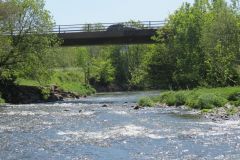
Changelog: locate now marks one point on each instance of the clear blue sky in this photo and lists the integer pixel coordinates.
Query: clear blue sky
(93, 11)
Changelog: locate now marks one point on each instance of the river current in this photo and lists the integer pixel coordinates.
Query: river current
(84, 130)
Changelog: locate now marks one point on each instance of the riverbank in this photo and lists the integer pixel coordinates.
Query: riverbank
(22, 94)
(215, 103)
(60, 85)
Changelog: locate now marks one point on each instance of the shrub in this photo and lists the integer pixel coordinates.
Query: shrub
(181, 98)
(236, 103)
(234, 96)
(169, 98)
(147, 102)
(192, 99)
(209, 101)
(45, 91)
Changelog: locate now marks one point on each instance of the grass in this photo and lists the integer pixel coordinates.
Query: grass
(68, 80)
(203, 98)
(146, 102)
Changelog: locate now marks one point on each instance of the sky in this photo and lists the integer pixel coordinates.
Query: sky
(110, 11)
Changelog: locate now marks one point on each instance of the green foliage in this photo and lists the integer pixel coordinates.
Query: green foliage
(192, 99)
(236, 103)
(209, 101)
(181, 98)
(146, 102)
(169, 98)
(201, 98)
(28, 55)
(199, 46)
(45, 91)
(130, 63)
(234, 96)
(68, 80)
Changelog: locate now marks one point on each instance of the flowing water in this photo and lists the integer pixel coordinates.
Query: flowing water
(83, 129)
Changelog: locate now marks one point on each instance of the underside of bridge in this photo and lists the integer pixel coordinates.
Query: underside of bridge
(142, 36)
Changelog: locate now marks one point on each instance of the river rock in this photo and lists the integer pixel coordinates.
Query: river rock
(225, 117)
(55, 97)
(137, 107)
(104, 105)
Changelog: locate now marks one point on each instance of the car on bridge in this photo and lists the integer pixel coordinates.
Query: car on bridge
(120, 27)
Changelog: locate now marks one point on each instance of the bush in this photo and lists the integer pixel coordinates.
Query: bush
(236, 103)
(202, 98)
(209, 101)
(169, 98)
(147, 102)
(234, 96)
(45, 91)
(181, 98)
(192, 99)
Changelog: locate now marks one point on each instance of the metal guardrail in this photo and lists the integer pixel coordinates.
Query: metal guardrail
(101, 27)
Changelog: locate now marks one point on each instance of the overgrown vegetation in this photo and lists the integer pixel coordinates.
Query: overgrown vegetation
(203, 99)
(68, 80)
(146, 102)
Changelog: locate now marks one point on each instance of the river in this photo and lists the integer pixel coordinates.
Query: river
(84, 130)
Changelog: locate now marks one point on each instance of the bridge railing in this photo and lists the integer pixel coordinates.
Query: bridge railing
(100, 27)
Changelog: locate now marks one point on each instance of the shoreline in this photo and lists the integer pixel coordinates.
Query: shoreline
(21, 94)
(213, 103)
(228, 112)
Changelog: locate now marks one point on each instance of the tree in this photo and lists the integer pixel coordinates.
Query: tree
(220, 42)
(26, 24)
(84, 61)
(198, 46)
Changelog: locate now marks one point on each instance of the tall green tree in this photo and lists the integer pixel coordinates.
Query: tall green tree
(27, 23)
(221, 45)
(198, 46)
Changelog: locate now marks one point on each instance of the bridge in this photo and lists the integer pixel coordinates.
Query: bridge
(108, 33)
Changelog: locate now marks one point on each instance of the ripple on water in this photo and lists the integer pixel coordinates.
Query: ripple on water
(119, 112)
(112, 133)
(72, 129)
